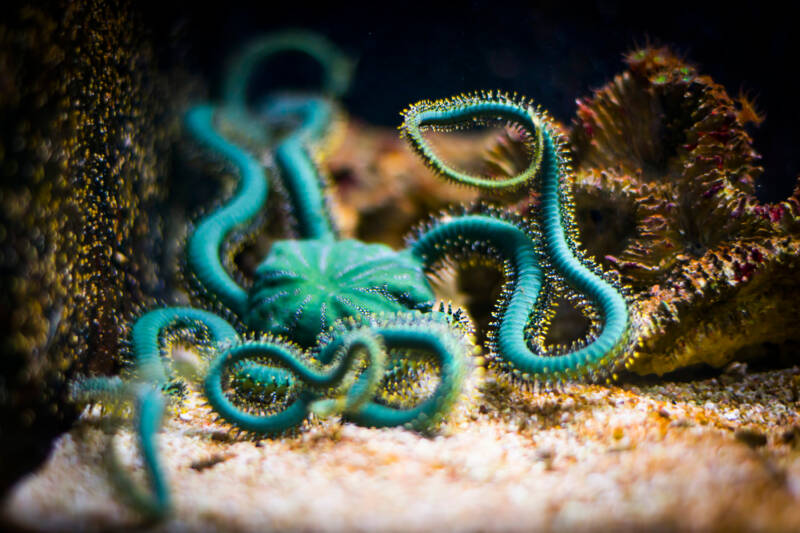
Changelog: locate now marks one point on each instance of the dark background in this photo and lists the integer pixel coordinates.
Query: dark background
(553, 51)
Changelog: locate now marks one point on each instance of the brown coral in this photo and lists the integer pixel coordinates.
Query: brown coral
(665, 187)
(384, 190)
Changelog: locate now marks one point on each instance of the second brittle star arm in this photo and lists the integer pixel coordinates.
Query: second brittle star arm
(529, 249)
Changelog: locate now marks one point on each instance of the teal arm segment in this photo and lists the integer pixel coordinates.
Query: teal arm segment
(151, 327)
(313, 378)
(548, 246)
(298, 169)
(204, 245)
(337, 67)
(442, 343)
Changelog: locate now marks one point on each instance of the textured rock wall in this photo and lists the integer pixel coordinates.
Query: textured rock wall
(83, 131)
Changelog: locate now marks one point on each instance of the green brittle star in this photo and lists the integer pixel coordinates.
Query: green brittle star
(354, 308)
(346, 326)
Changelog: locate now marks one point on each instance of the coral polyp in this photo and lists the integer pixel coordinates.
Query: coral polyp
(671, 142)
(666, 176)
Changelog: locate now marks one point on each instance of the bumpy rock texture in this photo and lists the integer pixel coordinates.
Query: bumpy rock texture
(82, 131)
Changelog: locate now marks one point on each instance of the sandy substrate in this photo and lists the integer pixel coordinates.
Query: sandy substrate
(718, 454)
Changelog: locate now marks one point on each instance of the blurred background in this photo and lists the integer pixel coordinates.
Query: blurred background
(552, 51)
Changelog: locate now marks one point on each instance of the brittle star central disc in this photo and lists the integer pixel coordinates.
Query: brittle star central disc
(304, 286)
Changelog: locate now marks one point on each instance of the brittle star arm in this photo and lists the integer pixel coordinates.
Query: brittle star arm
(298, 169)
(203, 248)
(314, 379)
(547, 175)
(337, 68)
(145, 391)
(438, 340)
